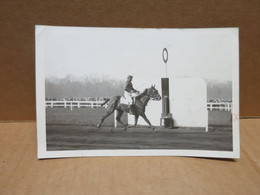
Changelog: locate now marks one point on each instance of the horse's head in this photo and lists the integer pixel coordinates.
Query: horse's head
(153, 93)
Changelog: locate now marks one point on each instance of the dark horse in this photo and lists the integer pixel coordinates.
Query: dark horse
(141, 101)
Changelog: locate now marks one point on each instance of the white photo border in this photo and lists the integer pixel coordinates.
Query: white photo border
(41, 114)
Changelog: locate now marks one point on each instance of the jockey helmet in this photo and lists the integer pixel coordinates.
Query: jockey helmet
(129, 77)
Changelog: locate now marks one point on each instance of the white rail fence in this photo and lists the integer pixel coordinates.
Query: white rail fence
(73, 104)
(227, 106)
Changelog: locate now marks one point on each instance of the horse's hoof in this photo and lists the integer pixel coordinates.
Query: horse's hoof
(98, 126)
(154, 130)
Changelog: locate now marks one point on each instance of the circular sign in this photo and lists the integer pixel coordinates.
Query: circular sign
(165, 55)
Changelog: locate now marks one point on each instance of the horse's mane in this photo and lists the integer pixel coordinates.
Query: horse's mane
(142, 94)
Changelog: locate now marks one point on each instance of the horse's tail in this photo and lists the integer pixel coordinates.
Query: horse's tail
(105, 102)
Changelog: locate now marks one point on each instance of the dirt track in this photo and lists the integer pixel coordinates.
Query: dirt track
(76, 130)
(60, 137)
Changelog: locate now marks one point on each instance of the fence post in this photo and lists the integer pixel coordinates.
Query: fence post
(207, 122)
(115, 121)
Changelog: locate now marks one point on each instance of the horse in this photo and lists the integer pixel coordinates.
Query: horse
(141, 101)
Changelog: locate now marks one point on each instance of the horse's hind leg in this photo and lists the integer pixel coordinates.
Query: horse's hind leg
(109, 112)
(118, 118)
(110, 109)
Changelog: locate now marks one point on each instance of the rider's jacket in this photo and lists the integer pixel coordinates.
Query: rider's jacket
(129, 87)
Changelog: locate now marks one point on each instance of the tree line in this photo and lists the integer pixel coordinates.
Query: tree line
(84, 87)
(92, 86)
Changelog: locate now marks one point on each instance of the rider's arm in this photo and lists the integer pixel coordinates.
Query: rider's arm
(134, 90)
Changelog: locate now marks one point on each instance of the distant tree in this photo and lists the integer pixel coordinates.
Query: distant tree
(221, 90)
(83, 87)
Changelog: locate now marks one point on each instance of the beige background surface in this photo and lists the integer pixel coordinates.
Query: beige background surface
(17, 20)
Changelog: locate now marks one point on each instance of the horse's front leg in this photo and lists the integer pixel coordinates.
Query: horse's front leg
(149, 123)
(136, 119)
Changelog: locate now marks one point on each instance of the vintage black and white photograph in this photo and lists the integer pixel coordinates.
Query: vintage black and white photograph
(137, 92)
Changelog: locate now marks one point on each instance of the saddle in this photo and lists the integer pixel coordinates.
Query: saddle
(132, 108)
(123, 100)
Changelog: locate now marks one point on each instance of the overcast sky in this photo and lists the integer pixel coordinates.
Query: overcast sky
(116, 53)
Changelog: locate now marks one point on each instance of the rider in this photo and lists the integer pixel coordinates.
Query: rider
(130, 93)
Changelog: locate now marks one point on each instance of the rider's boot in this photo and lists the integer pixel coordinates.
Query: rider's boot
(130, 108)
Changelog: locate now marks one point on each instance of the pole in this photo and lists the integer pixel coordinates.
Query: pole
(166, 75)
(115, 121)
(166, 117)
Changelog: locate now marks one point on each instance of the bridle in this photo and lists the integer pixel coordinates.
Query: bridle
(151, 97)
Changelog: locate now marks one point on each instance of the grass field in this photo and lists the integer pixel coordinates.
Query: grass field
(76, 130)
